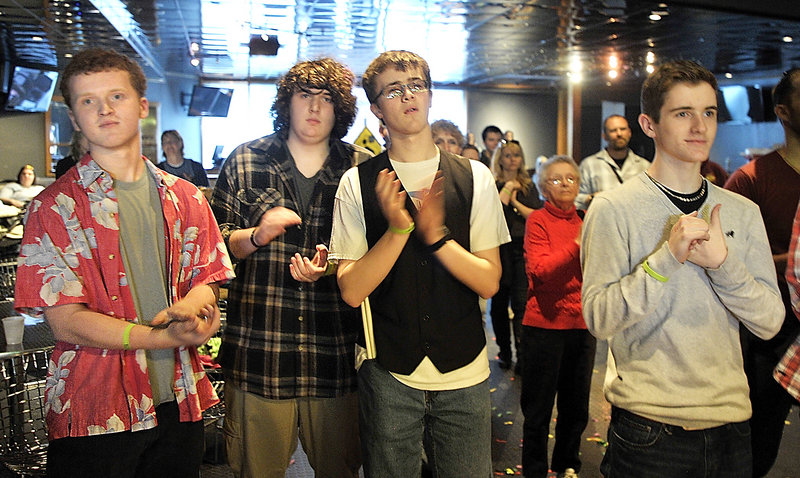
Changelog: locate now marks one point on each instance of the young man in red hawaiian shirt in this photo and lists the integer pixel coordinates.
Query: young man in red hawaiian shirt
(122, 259)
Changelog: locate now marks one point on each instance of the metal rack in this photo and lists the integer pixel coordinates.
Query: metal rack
(23, 434)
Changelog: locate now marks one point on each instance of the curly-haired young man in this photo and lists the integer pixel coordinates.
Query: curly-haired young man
(288, 346)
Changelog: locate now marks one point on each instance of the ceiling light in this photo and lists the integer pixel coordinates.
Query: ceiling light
(788, 39)
(37, 38)
(613, 74)
(194, 47)
(651, 57)
(613, 62)
(655, 17)
(729, 75)
(650, 68)
(575, 76)
(195, 61)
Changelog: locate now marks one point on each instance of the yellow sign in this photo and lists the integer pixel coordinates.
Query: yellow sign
(367, 140)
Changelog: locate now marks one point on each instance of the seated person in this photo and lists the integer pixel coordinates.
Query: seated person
(20, 193)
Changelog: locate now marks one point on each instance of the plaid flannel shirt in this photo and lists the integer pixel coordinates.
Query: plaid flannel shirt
(787, 372)
(284, 339)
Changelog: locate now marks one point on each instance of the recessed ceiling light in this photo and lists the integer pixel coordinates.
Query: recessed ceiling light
(788, 39)
(729, 75)
(655, 17)
(650, 68)
(613, 74)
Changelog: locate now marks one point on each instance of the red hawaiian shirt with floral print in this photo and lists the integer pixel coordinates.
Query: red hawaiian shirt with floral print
(70, 254)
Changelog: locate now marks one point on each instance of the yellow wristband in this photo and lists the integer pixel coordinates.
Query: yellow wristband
(655, 275)
(401, 231)
(506, 190)
(126, 337)
(330, 269)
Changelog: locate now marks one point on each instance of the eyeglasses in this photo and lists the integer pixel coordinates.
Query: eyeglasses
(557, 181)
(393, 91)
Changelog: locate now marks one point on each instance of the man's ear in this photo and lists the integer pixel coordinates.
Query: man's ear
(648, 125)
(782, 112)
(72, 120)
(376, 110)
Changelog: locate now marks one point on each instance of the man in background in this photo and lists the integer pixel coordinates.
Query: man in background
(289, 342)
(491, 139)
(612, 165)
(773, 183)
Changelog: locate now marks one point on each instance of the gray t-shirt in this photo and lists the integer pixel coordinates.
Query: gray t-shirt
(143, 249)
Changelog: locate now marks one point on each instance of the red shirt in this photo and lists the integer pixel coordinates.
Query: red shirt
(70, 254)
(552, 263)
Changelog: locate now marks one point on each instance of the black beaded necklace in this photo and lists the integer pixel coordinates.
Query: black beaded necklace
(687, 203)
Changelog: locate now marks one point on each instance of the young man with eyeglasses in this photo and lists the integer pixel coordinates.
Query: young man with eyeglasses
(417, 230)
(672, 266)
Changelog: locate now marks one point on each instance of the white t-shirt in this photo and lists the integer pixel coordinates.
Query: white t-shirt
(487, 230)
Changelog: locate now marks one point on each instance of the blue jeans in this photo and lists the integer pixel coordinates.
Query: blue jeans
(396, 421)
(648, 449)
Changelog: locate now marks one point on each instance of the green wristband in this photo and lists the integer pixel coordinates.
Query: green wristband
(401, 231)
(655, 275)
(126, 337)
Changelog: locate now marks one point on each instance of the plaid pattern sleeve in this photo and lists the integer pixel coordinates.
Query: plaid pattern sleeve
(787, 372)
(283, 338)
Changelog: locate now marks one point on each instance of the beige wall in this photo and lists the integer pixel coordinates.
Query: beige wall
(22, 141)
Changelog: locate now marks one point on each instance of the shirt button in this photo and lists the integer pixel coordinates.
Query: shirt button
(300, 348)
(113, 297)
(426, 318)
(427, 346)
(300, 318)
(111, 256)
(300, 288)
(423, 262)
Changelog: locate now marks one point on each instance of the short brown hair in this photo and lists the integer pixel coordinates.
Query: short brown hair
(783, 91)
(322, 74)
(448, 127)
(95, 60)
(399, 59)
(658, 84)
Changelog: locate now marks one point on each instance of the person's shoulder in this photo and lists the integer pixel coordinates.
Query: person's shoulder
(735, 199)
(632, 190)
(594, 157)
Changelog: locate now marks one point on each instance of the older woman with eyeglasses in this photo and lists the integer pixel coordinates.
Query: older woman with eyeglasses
(554, 336)
(519, 197)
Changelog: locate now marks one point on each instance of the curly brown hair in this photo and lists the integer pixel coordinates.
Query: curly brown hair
(322, 74)
(95, 60)
(399, 59)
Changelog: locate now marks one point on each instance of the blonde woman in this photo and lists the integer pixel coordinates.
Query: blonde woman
(519, 197)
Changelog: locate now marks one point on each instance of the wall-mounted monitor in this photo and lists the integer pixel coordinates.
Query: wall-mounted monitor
(210, 101)
(31, 89)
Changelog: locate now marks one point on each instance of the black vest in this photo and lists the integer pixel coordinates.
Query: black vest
(420, 308)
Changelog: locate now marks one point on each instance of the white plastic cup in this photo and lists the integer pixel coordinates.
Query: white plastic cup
(14, 328)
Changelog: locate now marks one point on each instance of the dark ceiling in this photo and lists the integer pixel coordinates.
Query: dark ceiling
(468, 43)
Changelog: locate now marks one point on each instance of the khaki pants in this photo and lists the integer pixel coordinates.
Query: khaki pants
(261, 434)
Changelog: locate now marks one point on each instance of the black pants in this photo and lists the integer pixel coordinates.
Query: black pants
(561, 363)
(172, 449)
(513, 289)
(771, 402)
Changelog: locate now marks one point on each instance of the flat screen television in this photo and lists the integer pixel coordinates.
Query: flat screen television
(210, 101)
(31, 89)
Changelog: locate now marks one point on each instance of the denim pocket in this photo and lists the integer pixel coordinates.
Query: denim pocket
(742, 429)
(632, 433)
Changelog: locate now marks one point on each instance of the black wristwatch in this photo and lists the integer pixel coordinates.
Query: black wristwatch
(438, 244)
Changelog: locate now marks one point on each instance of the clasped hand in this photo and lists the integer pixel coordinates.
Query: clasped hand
(189, 322)
(429, 218)
(700, 242)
